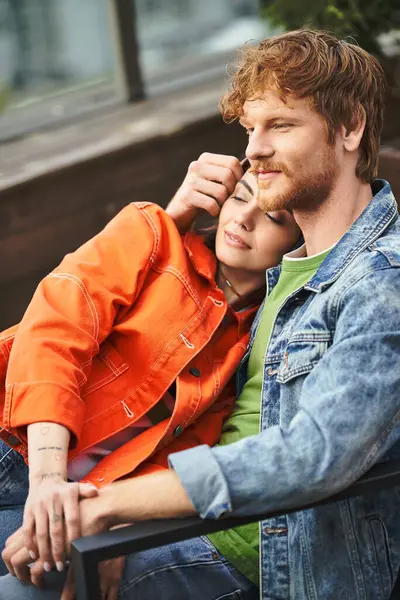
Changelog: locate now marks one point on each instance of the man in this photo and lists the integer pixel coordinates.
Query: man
(321, 377)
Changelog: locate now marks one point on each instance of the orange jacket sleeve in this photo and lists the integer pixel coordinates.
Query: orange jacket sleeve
(72, 311)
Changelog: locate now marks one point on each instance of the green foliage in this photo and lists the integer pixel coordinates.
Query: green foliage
(4, 97)
(363, 20)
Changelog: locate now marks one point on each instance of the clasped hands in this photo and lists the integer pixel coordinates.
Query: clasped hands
(35, 549)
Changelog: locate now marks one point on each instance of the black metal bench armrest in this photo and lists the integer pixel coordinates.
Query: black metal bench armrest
(87, 552)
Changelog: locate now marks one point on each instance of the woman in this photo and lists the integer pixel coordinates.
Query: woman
(126, 354)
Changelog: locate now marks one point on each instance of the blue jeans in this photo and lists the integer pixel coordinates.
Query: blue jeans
(191, 569)
(14, 486)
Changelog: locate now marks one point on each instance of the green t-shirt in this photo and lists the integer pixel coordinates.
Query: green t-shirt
(241, 545)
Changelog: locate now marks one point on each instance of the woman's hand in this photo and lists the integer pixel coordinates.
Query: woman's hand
(52, 518)
(208, 183)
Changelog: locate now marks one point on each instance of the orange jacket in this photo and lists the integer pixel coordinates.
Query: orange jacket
(108, 332)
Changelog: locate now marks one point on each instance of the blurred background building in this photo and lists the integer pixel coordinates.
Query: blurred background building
(103, 102)
(60, 58)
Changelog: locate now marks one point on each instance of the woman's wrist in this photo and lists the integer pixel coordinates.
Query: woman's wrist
(47, 452)
(49, 474)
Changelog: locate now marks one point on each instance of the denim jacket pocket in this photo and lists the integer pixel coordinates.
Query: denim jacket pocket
(380, 548)
(304, 351)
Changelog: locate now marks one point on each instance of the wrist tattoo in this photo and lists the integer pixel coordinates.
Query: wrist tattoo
(43, 476)
(44, 430)
(50, 448)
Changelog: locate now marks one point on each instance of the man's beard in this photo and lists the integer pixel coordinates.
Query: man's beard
(306, 191)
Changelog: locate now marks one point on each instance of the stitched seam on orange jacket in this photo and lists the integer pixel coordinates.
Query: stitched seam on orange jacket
(156, 232)
(5, 339)
(5, 356)
(133, 392)
(188, 287)
(86, 295)
(7, 404)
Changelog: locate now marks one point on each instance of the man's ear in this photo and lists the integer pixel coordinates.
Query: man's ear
(351, 136)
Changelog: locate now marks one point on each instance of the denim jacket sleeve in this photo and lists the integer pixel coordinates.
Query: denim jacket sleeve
(347, 418)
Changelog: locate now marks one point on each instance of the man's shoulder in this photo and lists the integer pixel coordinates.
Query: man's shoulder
(388, 245)
(380, 254)
(374, 267)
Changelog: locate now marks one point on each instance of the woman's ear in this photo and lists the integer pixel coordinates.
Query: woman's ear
(352, 136)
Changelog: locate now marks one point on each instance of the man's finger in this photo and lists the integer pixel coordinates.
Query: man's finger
(223, 160)
(87, 490)
(72, 518)
(19, 564)
(221, 175)
(206, 203)
(36, 574)
(113, 593)
(110, 573)
(10, 550)
(213, 189)
(17, 535)
(68, 592)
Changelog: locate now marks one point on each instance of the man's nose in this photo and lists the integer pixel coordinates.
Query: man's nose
(259, 146)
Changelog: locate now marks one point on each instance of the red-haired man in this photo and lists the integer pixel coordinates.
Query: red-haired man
(318, 392)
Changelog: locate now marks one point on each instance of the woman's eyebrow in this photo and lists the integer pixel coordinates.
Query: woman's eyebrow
(246, 185)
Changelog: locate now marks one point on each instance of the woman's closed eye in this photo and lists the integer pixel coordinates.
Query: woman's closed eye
(273, 219)
(239, 199)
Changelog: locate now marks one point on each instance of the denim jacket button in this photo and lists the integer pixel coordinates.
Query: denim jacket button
(13, 441)
(178, 430)
(195, 372)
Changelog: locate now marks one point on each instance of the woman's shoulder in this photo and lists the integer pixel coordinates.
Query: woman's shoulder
(145, 219)
(166, 237)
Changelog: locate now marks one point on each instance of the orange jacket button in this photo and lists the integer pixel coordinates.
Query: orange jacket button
(178, 430)
(13, 441)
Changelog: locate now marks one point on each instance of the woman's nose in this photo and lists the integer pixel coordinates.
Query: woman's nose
(244, 218)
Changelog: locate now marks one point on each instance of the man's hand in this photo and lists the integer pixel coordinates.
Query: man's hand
(16, 556)
(160, 495)
(209, 182)
(93, 520)
(110, 572)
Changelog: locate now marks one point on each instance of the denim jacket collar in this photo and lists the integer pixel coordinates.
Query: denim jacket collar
(379, 213)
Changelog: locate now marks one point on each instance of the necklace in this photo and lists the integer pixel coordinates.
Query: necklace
(228, 283)
(246, 299)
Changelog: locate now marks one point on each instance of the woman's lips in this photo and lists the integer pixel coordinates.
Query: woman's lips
(265, 175)
(235, 240)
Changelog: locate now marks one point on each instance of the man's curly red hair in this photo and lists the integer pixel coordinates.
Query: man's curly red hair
(342, 81)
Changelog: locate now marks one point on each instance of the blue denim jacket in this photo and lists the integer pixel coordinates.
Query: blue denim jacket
(330, 410)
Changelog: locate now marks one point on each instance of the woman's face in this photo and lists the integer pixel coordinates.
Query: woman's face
(249, 239)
